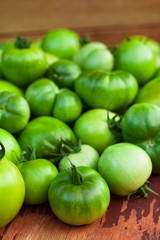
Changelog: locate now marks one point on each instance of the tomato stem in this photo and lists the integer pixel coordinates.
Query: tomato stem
(76, 176)
(22, 43)
(2, 151)
(84, 40)
(54, 76)
(143, 191)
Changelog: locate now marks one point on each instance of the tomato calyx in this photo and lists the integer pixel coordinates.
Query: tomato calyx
(54, 76)
(114, 124)
(22, 43)
(84, 40)
(2, 150)
(143, 191)
(27, 156)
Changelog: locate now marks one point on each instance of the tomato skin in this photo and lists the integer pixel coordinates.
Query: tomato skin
(61, 42)
(141, 126)
(16, 112)
(87, 156)
(79, 204)
(67, 106)
(93, 129)
(150, 92)
(40, 96)
(8, 86)
(23, 66)
(40, 173)
(12, 148)
(12, 191)
(45, 133)
(67, 72)
(137, 57)
(111, 91)
(125, 167)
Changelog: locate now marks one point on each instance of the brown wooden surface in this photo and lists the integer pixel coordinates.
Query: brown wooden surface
(136, 219)
(29, 15)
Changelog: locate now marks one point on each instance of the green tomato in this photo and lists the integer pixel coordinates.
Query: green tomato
(94, 55)
(67, 106)
(125, 167)
(64, 73)
(137, 57)
(112, 91)
(8, 86)
(6, 45)
(24, 65)
(141, 126)
(15, 112)
(40, 96)
(38, 175)
(79, 197)
(61, 42)
(12, 191)
(44, 134)
(150, 92)
(87, 156)
(12, 148)
(82, 54)
(93, 128)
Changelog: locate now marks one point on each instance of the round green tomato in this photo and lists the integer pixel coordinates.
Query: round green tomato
(6, 45)
(83, 53)
(44, 134)
(125, 167)
(137, 57)
(61, 42)
(150, 92)
(79, 203)
(12, 191)
(15, 112)
(99, 59)
(141, 126)
(67, 105)
(64, 73)
(112, 91)
(87, 156)
(8, 86)
(37, 175)
(12, 148)
(93, 128)
(40, 96)
(23, 66)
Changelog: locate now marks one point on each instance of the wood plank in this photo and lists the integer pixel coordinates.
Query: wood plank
(136, 219)
(17, 15)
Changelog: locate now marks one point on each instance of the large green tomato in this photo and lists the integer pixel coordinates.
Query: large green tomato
(67, 106)
(95, 129)
(86, 156)
(63, 43)
(125, 167)
(38, 175)
(23, 64)
(64, 73)
(8, 86)
(141, 126)
(44, 134)
(80, 196)
(94, 55)
(112, 91)
(40, 96)
(12, 148)
(12, 191)
(15, 112)
(150, 92)
(137, 56)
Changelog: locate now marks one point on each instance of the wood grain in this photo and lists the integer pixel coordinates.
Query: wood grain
(136, 219)
(29, 15)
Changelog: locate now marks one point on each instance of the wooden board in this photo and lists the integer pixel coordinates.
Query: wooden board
(136, 219)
